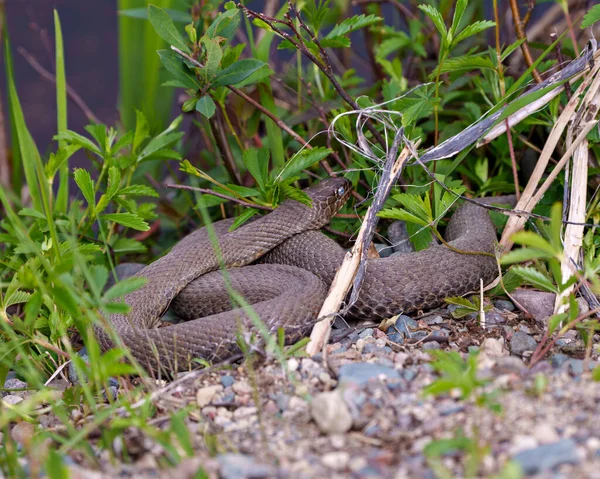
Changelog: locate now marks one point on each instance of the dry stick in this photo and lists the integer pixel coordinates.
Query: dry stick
(349, 270)
(526, 202)
(521, 36)
(573, 237)
(51, 78)
(218, 129)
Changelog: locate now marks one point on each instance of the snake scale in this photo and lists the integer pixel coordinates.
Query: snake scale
(297, 266)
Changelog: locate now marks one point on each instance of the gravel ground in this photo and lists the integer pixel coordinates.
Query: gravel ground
(364, 414)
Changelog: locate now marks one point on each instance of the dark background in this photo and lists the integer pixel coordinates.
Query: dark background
(90, 42)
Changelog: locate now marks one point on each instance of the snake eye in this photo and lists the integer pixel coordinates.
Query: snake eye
(340, 191)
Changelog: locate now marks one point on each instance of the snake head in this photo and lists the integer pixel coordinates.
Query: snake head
(328, 197)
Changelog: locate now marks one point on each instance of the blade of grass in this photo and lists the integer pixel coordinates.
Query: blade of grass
(17, 170)
(62, 197)
(140, 71)
(24, 143)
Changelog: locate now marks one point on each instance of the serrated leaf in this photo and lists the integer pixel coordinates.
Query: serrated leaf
(460, 301)
(352, 24)
(86, 185)
(437, 19)
(402, 215)
(465, 63)
(16, 297)
(236, 73)
(114, 181)
(459, 11)
(303, 160)
(124, 287)
(77, 139)
(142, 13)
(535, 277)
(335, 42)
(523, 254)
(473, 29)
(138, 190)
(31, 212)
(289, 192)
(129, 220)
(206, 106)
(128, 245)
(165, 28)
(591, 17)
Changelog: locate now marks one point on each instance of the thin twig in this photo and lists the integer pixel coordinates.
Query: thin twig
(205, 191)
(521, 36)
(73, 95)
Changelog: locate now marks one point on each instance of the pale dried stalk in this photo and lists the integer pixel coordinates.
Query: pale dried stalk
(573, 237)
(345, 275)
(529, 197)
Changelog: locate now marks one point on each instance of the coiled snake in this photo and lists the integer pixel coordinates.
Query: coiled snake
(288, 289)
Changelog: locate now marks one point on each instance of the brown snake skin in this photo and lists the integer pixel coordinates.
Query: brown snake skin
(288, 292)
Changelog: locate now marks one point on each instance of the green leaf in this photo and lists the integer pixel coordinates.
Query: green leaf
(352, 24)
(86, 185)
(129, 220)
(241, 219)
(466, 63)
(142, 14)
(473, 29)
(289, 192)
(437, 19)
(591, 17)
(77, 139)
(124, 287)
(237, 72)
(459, 11)
(225, 25)
(523, 254)
(535, 277)
(303, 160)
(138, 190)
(159, 142)
(142, 130)
(206, 106)
(32, 212)
(528, 238)
(165, 28)
(128, 245)
(214, 53)
(62, 196)
(555, 321)
(402, 215)
(464, 302)
(178, 69)
(257, 162)
(16, 297)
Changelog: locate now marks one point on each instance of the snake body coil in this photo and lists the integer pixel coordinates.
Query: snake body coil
(289, 289)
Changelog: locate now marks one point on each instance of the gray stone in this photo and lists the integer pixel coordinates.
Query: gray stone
(547, 457)
(227, 380)
(540, 304)
(494, 318)
(373, 348)
(240, 466)
(524, 329)
(14, 383)
(521, 342)
(366, 333)
(384, 250)
(437, 319)
(575, 367)
(360, 373)
(504, 305)
(396, 337)
(405, 324)
(432, 345)
(330, 412)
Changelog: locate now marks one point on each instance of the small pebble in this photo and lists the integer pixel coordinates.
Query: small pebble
(205, 395)
(12, 399)
(242, 388)
(520, 343)
(361, 373)
(227, 380)
(504, 305)
(22, 432)
(547, 457)
(330, 413)
(432, 345)
(238, 466)
(338, 460)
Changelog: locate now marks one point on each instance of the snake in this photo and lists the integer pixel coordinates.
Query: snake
(278, 268)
